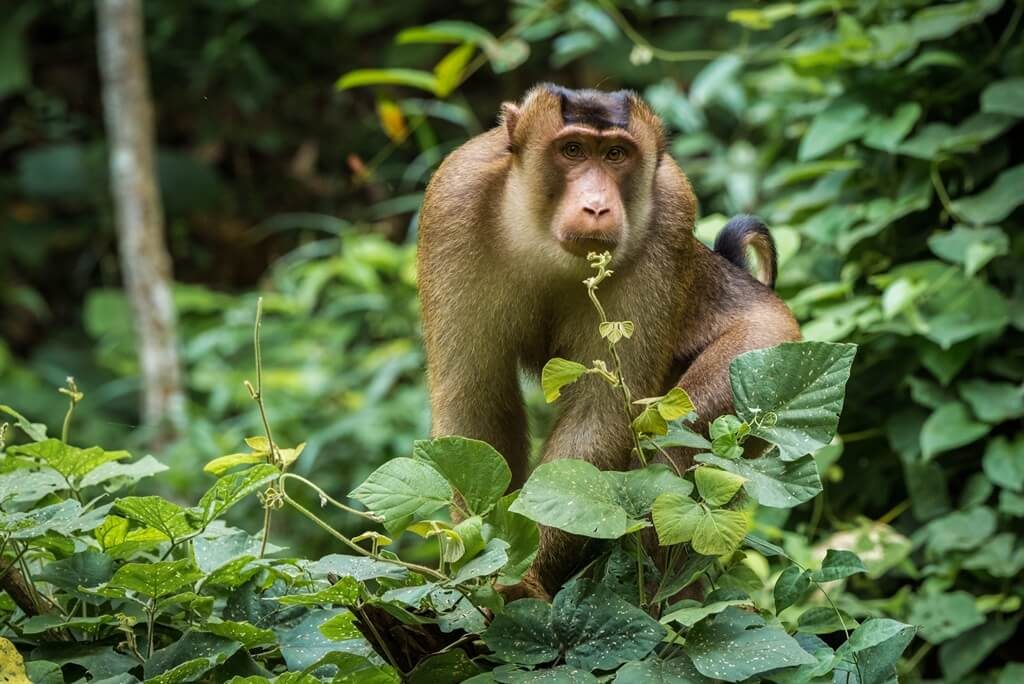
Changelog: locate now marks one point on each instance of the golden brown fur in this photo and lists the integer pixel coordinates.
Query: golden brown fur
(498, 295)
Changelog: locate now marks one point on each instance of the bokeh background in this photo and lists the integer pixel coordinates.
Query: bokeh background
(881, 141)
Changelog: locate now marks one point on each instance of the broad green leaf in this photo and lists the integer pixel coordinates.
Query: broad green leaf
(681, 436)
(222, 464)
(493, 559)
(60, 518)
(352, 668)
(949, 427)
(676, 669)
(246, 634)
(71, 462)
(720, 531)
(998, 557)
(114, 475)
(343, 592)
(158, 513)
(825, 620)
(735, 645)
(556, 374)
(230, 489)
(996, 202)
(838, 564)
(791, 587)
(35, 431)
(82, 569)
(717, 487)
(941, 617)
(942, 21)
(156, 579)
(877, 644)
(960, 530)
(675, 518)
(1004, 97)
(443, 668)
(726, 433)
(473, 468)
(771, 481)
(971, 247)
(587, 625)
(935, 139)
(403, 489)
(837, 124)
(445, 32)
(675, 404)
(118, 541)
(341, 627)
(573, 496)
(424, 80)
(887, 133)
(303, 644)
(688, 613)
(993, 402)
(962, 655)
(27, 486)
(650, 422)
(449, 71)
(189, 657)
(1004, 462)
(521, 534)
(637, 489)
(792, 394)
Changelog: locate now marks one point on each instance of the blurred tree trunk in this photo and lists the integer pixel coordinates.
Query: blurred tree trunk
(145, 262)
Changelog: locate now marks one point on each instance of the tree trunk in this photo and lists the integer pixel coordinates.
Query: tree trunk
(145, 263)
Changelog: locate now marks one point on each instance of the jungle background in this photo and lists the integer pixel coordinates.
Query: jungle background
(880, 140)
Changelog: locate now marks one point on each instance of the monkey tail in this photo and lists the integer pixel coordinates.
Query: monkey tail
(745, 232)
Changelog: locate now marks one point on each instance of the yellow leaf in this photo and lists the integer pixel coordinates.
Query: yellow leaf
(258, 443)
(12, 665)
(222, 464)
(392, 120)
(289, 456)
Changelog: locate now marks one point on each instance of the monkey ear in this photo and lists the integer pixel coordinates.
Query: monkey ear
(510, 118)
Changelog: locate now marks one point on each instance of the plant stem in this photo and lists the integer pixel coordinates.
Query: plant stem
(660, 53)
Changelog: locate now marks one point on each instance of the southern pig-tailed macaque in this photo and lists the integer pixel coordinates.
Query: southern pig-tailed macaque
(505, 228)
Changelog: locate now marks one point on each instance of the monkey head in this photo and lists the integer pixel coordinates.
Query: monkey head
(583, 168)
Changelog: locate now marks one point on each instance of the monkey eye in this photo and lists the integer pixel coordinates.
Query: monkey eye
(615, 154)
(573, 150)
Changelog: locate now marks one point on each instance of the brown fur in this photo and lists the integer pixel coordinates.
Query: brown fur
(498, 295)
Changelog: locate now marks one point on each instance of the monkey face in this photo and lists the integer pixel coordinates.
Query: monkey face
(585, 161)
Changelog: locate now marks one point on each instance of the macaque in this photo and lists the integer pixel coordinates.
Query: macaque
(506, 225)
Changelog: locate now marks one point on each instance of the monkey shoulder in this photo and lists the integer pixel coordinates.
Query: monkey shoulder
(463, 187)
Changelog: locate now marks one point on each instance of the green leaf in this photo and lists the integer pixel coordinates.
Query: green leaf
(720, 531)
(189, 657)
(341, 627)
(35, 431)
(949, 427)
(303, 644)
(960, 530)
(941, 617)
(613, 331)
(573, 496)
(71, 462)
(995, 203)
(886, 133)
(156, 579)
(343, 592)
(837, 124)
(838, 564)
(28, 486)
(587, 625)
(403, 489)
(556, 374)
(993, 402)
(771, 481)
(450, 667)
(961, 656)
(650, 422)
(116, 475)
(942, 21)
(230, 489)
(637, 489)
(449, 71)
(60, 518)
(1004, 97)
(824, 620)
(791, 587)
(675, 518)
(246, 634)
(473, 468)
(413, 78)
(157, 513)
(677, 669)
(717, 487)
(1004, 462)
(222, 464)
(971, 247)
(735, 645)
(796, 390)
(493, 559)
(521, 534)
(82, 569)
(693, 612)
(998, 557)
(877, 645)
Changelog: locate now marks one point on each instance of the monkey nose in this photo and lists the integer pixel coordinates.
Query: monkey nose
(596, 211)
